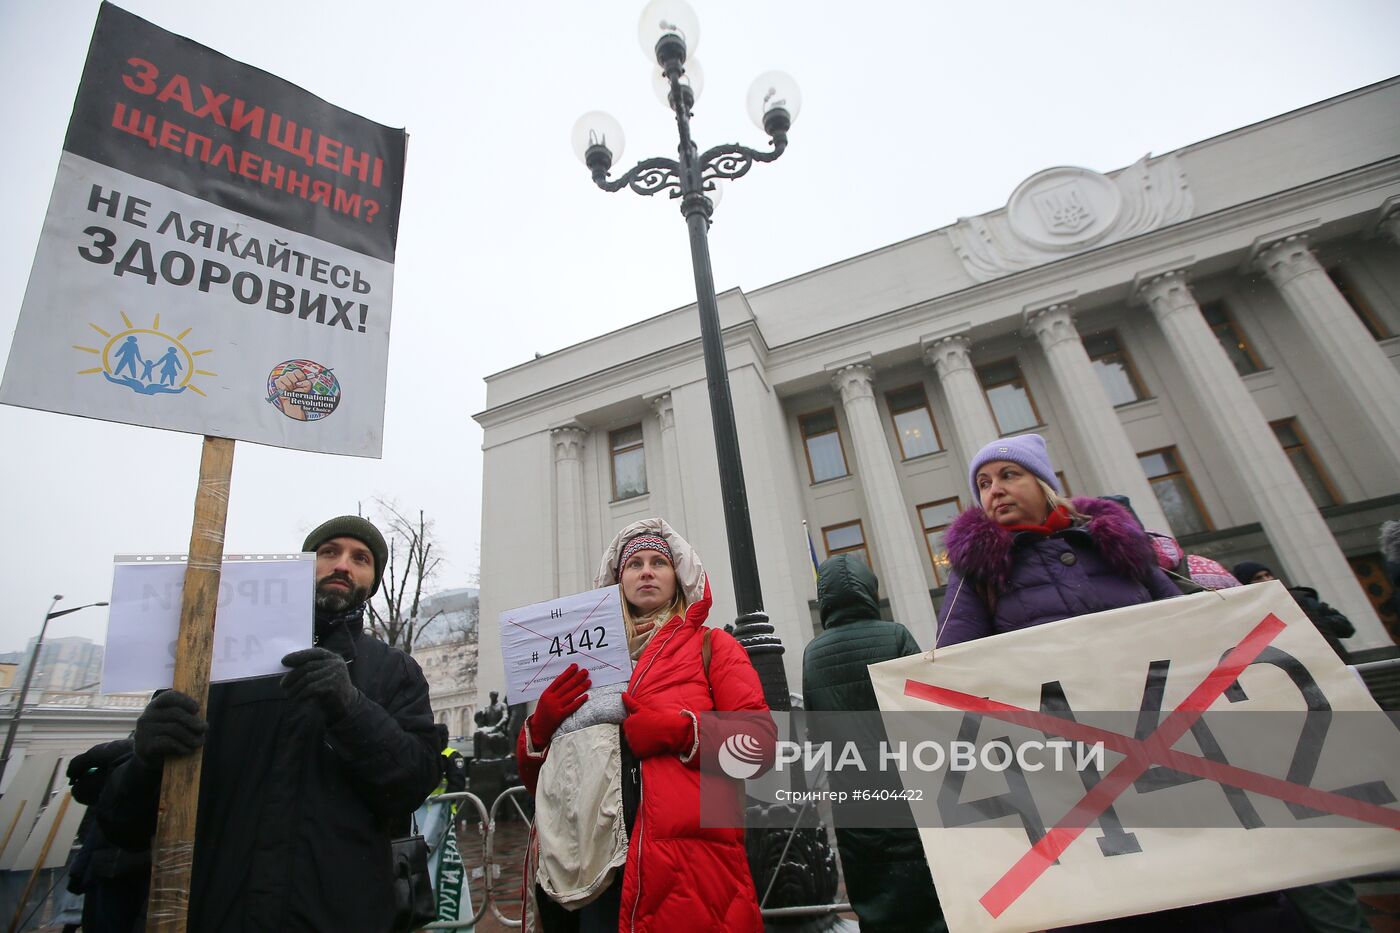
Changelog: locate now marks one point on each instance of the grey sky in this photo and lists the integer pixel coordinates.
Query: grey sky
(914, 113)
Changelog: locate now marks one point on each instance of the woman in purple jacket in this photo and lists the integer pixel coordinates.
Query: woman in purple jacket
(1028, 556)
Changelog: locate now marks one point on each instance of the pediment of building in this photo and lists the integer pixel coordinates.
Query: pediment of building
(1066, 210)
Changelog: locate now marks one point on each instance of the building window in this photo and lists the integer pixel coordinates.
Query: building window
(1009, 396)
(1175, 491)
(1115, 369)
(1295, 445)
(825, 458)
(913, 422)
(629, 462)
(1231, 338)
(1359, 304)
(848, 538)
(935, 517)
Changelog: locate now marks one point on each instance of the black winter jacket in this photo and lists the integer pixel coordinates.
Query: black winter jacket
(296, 815)
(887, 878)
(1332, 624)
(833, 664)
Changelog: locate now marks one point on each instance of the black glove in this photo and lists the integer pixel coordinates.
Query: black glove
(99, 758)
(320, 675)
(170, 725)
(88, 772)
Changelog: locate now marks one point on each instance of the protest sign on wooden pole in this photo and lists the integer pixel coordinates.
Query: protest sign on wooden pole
(172, 852)
(223, 268)
(235, 280)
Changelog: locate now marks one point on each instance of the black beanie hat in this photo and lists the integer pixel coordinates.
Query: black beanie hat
(352, 526)
(1245, 570)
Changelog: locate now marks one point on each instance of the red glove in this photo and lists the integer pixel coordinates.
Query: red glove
(558, 702)
(652, 732)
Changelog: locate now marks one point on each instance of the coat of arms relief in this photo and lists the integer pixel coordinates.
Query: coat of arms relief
(1067, 210)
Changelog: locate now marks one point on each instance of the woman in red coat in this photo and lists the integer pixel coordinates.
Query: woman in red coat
(616, 775)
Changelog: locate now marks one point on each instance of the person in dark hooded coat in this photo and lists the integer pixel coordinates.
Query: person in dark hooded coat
(1332, 624)
(887, 877)
(113, 881)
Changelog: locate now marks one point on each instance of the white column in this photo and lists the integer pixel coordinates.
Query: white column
(673, 502)
(1113, 462)
(570, 549)
(1295, 528)
(891, 524)
(1358, 362)
(973, 423)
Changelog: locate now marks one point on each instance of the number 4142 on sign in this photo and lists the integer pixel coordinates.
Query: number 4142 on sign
(539, 641)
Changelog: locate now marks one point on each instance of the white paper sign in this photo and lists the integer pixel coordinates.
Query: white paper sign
(538, 642)
(265, 611)
(1249, 649)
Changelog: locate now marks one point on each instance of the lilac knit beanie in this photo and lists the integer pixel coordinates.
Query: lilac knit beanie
(1028, 450)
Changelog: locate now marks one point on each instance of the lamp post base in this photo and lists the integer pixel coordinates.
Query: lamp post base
(795, 866)
(756, 635)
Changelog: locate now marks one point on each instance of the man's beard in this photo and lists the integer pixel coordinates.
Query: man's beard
(334, 599)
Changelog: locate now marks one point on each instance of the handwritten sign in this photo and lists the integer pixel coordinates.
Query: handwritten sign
(1012, 855)
(264, 612)
(541, 640)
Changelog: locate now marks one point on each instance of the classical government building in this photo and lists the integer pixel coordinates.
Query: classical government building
(1212, 332)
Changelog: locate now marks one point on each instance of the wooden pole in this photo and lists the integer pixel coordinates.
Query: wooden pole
(39, 865)
(172, 851)
(5, 844)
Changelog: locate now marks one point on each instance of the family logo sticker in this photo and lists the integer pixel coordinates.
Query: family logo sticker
(303, 390)
(146, 360)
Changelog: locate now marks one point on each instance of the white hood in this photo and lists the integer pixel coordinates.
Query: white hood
(690, 576)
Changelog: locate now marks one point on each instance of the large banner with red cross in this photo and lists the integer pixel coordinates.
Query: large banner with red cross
(1276, 764)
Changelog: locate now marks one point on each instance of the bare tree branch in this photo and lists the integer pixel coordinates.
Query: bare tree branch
(410, 569)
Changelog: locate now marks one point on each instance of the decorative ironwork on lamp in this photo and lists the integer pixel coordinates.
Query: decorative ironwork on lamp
(669, 33)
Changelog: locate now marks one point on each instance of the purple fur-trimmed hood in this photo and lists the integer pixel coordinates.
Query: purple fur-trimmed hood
(983, 550)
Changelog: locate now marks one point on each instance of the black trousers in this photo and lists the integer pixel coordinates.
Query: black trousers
(599, 916)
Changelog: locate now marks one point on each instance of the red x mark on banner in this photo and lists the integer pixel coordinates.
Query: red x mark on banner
(1141, 755)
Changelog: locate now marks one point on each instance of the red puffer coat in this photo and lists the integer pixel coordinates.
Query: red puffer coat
(680, 876)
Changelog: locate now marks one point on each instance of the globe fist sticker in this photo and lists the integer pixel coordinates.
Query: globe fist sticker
(303, 390)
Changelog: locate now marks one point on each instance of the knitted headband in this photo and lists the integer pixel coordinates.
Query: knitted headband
(644, 542)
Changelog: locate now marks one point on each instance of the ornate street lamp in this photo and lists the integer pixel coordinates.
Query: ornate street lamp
(669, 33)
(29, 675)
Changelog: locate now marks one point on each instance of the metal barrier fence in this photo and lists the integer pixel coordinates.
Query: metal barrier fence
(483, 831)
(487, 832)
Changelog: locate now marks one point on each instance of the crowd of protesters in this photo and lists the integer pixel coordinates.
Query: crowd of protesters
(619, 844)
(307, 776)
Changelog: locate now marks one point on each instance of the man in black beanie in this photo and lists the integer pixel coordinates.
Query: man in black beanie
(306, 776)
(1332, 624)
